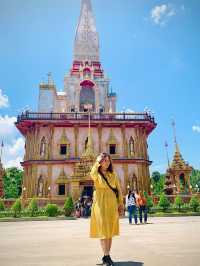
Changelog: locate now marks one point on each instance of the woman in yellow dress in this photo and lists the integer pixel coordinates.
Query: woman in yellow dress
(107, 205)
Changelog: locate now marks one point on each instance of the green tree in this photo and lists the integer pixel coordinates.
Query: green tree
(33, 207)
(157, 180)
(149, 203)
(164, 202)
(156, 176)
(2, 206)
(195, 178)
(51, 210)
(178, 202)
(17, 208)
(12, 182)
(194, 203)
(68, 206)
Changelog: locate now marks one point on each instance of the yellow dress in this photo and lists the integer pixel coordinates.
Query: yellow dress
(104, 221)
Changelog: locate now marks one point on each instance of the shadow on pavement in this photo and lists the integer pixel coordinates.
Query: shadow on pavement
(127, 263)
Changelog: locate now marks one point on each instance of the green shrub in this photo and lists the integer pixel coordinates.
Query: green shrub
(2, 206)
(68, 206)
(33, 207)
(194, 203)
(164, 202)
(51, 210)
(149, 203)
(17, 208)
(178, 203)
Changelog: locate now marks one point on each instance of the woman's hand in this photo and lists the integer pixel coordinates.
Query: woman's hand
(100, 158)
(121, 210)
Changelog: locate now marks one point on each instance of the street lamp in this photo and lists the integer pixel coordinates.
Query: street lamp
(128, 187)
(197, 188)
(49, 192)
(24, 192)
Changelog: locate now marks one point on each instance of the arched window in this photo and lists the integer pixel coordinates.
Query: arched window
(131, 147)
(43, 147)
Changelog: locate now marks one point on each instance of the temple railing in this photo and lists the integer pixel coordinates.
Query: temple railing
(84, 116)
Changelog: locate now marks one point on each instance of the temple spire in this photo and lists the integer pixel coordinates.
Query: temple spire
(86, 46)
(175, 139)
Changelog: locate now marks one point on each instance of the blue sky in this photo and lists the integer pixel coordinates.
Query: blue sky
(149, 49)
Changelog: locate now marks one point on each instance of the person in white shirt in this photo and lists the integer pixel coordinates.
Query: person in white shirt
(131, 206)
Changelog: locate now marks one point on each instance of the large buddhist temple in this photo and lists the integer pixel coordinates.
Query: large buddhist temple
(70, 128)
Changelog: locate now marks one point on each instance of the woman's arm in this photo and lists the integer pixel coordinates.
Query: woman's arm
(120, 199)
(94, 170)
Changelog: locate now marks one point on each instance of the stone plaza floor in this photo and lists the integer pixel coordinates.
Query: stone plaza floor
(164, 241)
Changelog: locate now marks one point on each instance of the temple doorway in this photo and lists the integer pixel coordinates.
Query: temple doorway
(87, 191)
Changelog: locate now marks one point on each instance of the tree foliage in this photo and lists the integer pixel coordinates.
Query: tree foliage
(68, 206)
(164, 202)
(12, 181)
(178, 202)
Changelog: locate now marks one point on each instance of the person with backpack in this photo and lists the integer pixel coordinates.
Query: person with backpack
(142, 203)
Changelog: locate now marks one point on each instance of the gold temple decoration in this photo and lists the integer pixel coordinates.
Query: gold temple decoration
(82, 168)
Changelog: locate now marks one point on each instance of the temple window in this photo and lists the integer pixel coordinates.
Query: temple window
(63, 149)
(112, 149)
(64, 145)
(112, 144)
(61, 189)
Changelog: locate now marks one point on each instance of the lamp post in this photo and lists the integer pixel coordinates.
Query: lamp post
(49, 192)
(174, 188)
(151, 186)
(24, 196)
(197, 188)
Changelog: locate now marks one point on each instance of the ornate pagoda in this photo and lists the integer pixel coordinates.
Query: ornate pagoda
(178, 173)
(57, 146)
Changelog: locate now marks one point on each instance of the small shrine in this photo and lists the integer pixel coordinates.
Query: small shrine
(178, 173)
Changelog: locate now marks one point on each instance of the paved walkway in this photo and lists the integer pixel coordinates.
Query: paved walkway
(163, 242)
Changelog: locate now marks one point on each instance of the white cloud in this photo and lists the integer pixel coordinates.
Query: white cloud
(17, 147)
(196, 129)
(14, 163)
(13, 149)
(7, 126)
(161, 14)
(3, 100)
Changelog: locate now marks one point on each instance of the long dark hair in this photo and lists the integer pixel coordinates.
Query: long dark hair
(110, 167)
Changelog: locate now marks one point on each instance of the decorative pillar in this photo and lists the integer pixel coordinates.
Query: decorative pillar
(177, 182)
(123, 128)
(49, 181)
(100, 137)
(75, 190)
(125, 169)
(76, 137)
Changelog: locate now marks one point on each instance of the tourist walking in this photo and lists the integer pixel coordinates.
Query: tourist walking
(107, 205)
(131, 206)
(142, 203)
